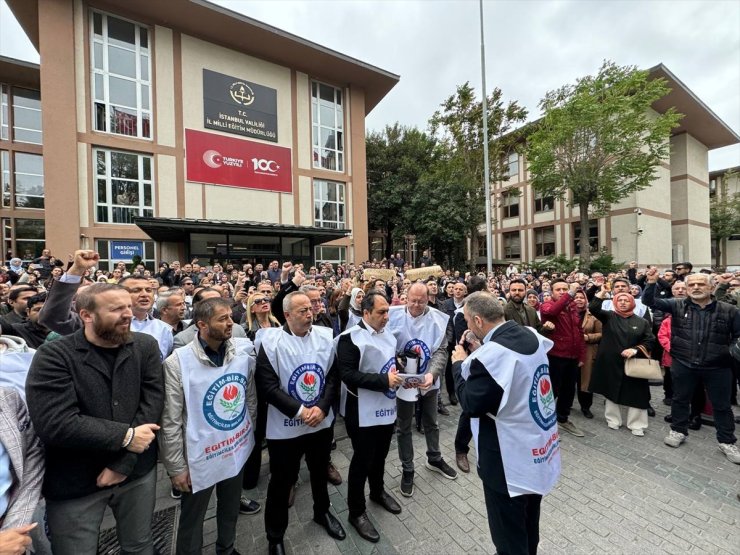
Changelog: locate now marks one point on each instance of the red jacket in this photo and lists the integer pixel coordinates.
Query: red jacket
(567, 335)
(664, 338)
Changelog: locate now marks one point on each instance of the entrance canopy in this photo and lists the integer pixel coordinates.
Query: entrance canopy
(240, 240)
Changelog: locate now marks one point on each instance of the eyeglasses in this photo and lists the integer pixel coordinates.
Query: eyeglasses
(262, 301)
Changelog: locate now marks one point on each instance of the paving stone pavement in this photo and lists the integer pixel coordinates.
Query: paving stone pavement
(617, 494)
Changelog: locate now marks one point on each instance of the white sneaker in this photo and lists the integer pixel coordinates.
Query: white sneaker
(731, 452)
(674, 439)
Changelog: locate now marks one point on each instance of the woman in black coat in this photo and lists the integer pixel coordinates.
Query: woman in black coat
(623, 331)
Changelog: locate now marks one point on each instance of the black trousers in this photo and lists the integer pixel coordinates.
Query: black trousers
(564, 373)
(285, 462)
(514, 522)
(717, 383)
(464, 434)
(254, 462)
(370, 447)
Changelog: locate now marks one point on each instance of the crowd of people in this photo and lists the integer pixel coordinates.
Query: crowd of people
(197, 367)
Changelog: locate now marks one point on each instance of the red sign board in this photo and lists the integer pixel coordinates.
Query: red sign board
(220, 160)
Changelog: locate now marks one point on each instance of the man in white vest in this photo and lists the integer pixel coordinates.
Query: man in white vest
(366, 359)
(422, 334)
(207, 424)
(505, 386)
(297, 377)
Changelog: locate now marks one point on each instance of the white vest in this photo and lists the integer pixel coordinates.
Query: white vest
(219, 435)
(14, 367)
(526, 422)
(301, 364)
(377, 356)
(352, 319)
(422, 335)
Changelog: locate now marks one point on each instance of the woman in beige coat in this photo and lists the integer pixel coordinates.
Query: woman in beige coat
(591, 327)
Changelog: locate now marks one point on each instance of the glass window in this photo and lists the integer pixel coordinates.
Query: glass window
(27, 116)
(510, 204)
(329, 206)
(543, 203)
(103, 248)
(335, 255)
(5, 177)
(124, 191)
(28, 176)
(593, 236)
(512, 245)
(120, 76)
(4, 112)
(22, 237)
(327, 117)
(544, 241)
(512, 165)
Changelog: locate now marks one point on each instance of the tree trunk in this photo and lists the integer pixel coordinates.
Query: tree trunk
(717, 253)
(583, 244)
(473, 248)
(389, 240)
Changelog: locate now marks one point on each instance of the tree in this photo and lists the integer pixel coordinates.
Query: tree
(459, 127)
(724, 214)
(396, 159)
(600, 140)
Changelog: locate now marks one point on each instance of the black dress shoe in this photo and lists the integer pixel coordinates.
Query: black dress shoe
(453, 399)
(651, 410)
(695, 423)
(587, 413)
(387, 501)
(332, 525)
(365, 528)
(276, 549)
(668, 418)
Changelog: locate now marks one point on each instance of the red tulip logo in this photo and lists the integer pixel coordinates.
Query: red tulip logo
(417, 350)
(544, 387)
(230, 392)
(309, 379)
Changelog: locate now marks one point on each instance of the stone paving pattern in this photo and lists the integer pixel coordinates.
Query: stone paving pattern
(617, 494)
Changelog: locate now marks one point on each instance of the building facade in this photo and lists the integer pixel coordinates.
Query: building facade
(179, 129)
(724, 184)
(665, 223)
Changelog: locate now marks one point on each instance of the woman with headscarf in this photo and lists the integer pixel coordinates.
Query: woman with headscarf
(533, 300)
(622, 334)
(636, 291)
(349, 309)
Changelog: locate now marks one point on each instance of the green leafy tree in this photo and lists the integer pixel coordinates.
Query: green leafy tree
(458, 125)
(724, 214)
(396, 159)
(600, 140)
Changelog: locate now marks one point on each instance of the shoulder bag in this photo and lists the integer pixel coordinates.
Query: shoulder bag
(644, 368)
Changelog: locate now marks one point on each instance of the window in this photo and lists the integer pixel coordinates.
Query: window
(27, 116)
(512, 245)
(593, 236)
(27, 185)
(512, 165)
(543, 203)
(335, 255)
(510, 204)
(124, 187)
(327, 116)
(24, 238)
(544, 241)
(121, 82)
(4, 112)
(107, 262)
(328, 205)
(712, 187)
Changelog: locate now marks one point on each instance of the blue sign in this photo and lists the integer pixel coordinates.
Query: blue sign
(124, 251)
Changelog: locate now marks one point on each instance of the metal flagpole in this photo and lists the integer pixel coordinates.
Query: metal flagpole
(486, 170)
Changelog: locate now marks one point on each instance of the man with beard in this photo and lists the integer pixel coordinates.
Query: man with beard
(207, 424)
(519, 311)
(30, 330)
(58, 316)
(297, 376)
(95, 398)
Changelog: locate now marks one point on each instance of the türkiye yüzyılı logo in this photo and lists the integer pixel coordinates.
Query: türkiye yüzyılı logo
(420, 348)
(225, 402)
(542, 398)
(387, 367)
(214, 159)
(307, 384)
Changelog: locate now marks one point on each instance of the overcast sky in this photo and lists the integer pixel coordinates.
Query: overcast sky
(531, 46)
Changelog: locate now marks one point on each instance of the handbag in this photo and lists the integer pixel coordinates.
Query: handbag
(644, 368)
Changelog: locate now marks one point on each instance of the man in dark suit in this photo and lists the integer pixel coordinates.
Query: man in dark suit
(95, 398)
(515, 430)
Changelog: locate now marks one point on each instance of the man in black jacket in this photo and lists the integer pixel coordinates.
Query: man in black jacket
(297, 377)
(94, 398)
(702, 330)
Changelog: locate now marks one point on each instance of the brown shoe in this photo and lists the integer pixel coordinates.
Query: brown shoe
(291, 495)
(462, 462)
(332, 475)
